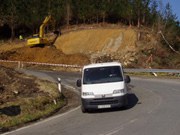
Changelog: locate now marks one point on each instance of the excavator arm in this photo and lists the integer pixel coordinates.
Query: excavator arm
(41, 40)
(43, 25)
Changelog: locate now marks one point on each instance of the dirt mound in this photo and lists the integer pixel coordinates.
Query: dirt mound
(14, 83)
(97, 40)
(100, 43)
(46, 54)
(82, 46)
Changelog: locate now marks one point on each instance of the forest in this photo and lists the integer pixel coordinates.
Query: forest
(25, 16)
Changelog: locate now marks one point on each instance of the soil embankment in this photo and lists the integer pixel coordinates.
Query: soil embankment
(25, 98)
(46, 55)
(133, 48)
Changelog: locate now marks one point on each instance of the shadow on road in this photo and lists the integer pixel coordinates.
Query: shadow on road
(132, 102)
(11, 110)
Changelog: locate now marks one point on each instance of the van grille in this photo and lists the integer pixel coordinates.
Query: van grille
(103, 101)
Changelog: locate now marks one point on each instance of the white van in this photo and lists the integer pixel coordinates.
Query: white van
(103, 85)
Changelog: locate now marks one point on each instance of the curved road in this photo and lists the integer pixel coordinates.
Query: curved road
(154, 109)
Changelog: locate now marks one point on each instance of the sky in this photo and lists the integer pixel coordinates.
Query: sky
(175, 4)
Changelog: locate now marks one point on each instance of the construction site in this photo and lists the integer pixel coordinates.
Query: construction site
(54, 38)
(90, 44)
(78, 45)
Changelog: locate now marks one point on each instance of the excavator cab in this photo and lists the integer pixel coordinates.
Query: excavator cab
(42, 39)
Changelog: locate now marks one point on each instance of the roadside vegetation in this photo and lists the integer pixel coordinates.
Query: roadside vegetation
(143, 28)
(25, 99)
(22, 17)
(137, 33)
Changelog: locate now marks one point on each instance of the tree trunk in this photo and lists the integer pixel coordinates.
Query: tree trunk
(12, 32)
(138, 17)
(129, 20)
(77, 22)
(97, 19)
(104, 16)
(138, 22)
(84, 20)
(68, 14)
(144, 19)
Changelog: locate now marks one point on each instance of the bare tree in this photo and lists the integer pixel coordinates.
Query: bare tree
(10, 16)
(68, 12)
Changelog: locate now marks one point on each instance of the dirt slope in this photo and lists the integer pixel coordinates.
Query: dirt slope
(99, 45)
(96, 40)
(120, 44)
(46, 54)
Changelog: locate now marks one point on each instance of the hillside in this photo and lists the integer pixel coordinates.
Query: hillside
(91, 41)
(99, 45)
(120, 44)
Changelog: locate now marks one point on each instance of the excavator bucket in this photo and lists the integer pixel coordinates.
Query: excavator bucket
(57, 32)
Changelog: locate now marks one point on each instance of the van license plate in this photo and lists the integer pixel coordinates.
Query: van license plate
(104, 106)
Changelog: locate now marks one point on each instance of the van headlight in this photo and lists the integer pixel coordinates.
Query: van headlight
(118, 91)
(87, 93)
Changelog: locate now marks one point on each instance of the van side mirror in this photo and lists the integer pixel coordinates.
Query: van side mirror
(127, 79)
(78, 83)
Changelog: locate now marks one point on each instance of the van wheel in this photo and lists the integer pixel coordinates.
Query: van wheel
(84, 110)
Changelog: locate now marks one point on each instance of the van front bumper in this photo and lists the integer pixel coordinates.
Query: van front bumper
(110, 102)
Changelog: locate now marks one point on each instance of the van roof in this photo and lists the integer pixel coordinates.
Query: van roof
(102, 64)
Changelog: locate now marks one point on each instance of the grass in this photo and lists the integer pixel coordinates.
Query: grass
(31, 110)
(27, 109)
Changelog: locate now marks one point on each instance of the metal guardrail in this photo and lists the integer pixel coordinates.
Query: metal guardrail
(152, 70)
(21, 65)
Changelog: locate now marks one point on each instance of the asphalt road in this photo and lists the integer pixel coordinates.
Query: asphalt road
(154, 109)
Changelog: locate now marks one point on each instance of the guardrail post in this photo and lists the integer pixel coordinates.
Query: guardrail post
(153, 72)
(22, 65)
(59, 84)
(19, 64)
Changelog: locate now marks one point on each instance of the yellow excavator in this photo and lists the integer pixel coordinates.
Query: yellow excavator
(41, 39)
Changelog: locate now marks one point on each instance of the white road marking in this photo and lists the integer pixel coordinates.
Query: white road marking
(43, 121)
(113, 132)
(118, 129)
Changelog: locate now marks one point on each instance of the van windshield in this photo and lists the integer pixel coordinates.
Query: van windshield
(102, 75)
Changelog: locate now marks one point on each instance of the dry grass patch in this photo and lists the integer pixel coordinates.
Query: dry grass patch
(8, 45)
(25, 98)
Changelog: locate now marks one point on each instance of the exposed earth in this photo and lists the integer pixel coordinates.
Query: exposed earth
(77, 47)
(25, 98)
(133, 48)
(14, 83)
(46, 54)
